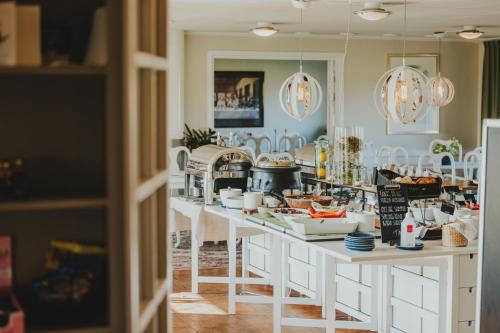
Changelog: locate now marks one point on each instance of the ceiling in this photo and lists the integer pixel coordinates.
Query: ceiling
(329, 17)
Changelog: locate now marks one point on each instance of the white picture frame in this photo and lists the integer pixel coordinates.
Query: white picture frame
(429, 124)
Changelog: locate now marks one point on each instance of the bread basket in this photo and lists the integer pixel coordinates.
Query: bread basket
(452, 237)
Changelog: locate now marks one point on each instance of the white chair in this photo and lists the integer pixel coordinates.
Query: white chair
(323, 137)
(393, 155)
(250, 151)
(446, 143)
(258, 141)
(176, 176)
(289, 143)
(436, 161)
(472, 162)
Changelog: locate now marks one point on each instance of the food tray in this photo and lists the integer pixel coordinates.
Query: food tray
(311, 226)
(414, 191)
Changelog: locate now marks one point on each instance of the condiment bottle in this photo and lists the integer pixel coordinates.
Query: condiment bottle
(408, 231)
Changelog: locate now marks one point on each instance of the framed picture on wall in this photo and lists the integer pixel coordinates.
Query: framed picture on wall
(429, 65)
(238, 99)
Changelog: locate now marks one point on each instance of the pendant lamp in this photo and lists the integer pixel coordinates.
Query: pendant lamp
(401, 93)
(300, 95)
(441, 89)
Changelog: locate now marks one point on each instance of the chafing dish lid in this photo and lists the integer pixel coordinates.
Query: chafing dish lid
(206, 154)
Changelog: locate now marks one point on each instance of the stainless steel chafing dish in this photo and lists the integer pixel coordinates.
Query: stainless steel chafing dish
(214, 168)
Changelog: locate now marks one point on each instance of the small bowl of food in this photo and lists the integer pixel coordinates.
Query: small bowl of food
(305, 201)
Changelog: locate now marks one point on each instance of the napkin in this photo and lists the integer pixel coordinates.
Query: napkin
(469, 227)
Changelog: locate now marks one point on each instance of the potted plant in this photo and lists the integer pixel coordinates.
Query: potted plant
(194, 138)
(453, 148)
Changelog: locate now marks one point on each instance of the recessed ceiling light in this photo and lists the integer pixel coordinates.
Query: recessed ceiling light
(301, 4)
(372, 11)
(264, 29)
(470, 32)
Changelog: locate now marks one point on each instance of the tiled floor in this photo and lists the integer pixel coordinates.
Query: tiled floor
(206, 312)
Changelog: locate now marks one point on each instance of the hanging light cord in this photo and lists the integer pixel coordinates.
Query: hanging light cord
(404, 36)
(300, 41)
(348, 28)
(439, 55)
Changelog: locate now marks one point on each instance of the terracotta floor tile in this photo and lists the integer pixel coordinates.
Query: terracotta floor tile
(207, 311)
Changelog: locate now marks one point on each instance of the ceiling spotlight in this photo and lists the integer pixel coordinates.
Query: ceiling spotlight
(264, 29)
(301, 4)
(470, 32)
(372, 11)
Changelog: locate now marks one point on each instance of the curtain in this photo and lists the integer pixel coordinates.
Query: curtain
(491, 80)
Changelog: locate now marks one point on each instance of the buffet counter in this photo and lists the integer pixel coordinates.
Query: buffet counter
(432, 290)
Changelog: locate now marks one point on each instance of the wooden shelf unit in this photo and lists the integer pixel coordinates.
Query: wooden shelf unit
(103, 329)
(52, 204)
(73, 70)
(75, 127)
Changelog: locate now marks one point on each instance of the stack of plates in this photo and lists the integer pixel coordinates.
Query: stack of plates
(360, 241)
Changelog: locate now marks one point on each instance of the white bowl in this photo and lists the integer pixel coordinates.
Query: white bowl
(366, 220)
(234, 202)
(228, 192)
(314, 226)
(271, 202)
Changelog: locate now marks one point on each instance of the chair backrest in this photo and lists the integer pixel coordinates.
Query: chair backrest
(173, 159)
(446, 143)
(289, 143)
(438, 160)
(323, 137)
(258, 141)
(396, 154)
(393, 155)
(472, 162)
(250, 151)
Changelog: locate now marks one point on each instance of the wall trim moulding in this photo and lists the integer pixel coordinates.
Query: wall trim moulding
(332, 36)
(335, 79)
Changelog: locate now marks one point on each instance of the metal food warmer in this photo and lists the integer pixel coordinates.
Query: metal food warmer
(215, 168)
(275, 172)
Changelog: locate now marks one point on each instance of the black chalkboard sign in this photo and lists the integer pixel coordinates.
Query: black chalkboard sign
(393, 205)
(448, 208)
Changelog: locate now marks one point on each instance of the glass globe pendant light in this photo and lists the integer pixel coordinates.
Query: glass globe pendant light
(441, 89)
(300, 94)
(401, 93)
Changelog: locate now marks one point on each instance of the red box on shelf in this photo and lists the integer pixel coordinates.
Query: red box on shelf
(14, 322)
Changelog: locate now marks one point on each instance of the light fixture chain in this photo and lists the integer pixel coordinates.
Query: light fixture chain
(404, 36)
(348, 29)
(300, 41)
(439, 55)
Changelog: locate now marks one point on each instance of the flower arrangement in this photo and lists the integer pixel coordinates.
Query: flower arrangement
(453, 148)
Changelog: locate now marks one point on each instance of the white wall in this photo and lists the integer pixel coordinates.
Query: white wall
(275, 73)
(365, 63)
(175, 84)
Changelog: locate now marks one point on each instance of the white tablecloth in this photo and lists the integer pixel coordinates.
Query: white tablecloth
(189, 215)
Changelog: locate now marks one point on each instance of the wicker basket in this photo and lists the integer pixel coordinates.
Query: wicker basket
(452, 237)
